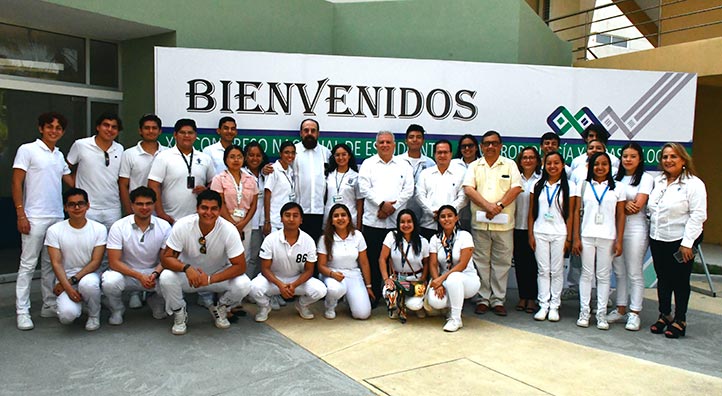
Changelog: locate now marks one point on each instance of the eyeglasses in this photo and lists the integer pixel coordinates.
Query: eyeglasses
(202, 241)
(467, 146)
(494, 143)
(107, 158)
(76, 205)
(525, 158)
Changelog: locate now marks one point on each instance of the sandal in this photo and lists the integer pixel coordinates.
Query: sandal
(676, 329)
(531, 306)
(659, 326)
(521, 306)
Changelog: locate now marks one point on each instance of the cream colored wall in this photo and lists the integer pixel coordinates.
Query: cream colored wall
(679, 8)
(706, 154)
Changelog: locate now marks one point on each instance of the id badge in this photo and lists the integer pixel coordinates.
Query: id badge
(337, 198)
(292, 197)
(548, 216)
(239, 213)
(599, 218)
(191, 182)
(260, 195)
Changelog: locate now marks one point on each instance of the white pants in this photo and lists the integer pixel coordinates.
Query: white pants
(115, 283)
(105, 217)
(549, 255)
(174, 284)
(603, 251)
(89, 289)
(493, 251)
(354, 288)
(310, 291)
(629, 266)
(459, 286)
(33, 244)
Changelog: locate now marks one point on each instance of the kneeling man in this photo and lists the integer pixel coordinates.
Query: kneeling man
(196, 259)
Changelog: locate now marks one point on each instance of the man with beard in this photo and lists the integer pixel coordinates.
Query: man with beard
(309, 167)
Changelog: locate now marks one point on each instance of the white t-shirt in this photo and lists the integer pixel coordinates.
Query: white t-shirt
(288, 261)
(550, 219)
(98, 180)
(434, 189)
(281, 183)
(215, 151)
(136, 163)
(308, 169)
(462, 240)
(345, 251)
(645, 186)
(171, 171)
(139, 250)
(76, 245)
(522, 201)
(607, 227)
(413, 259)
(222, 243)
(344, 185)
(43, 186)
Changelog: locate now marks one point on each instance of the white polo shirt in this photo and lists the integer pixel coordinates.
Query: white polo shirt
(434, 189)
(139, 250)
(522, 201)
(43, 186)
(462, 240)
(381, 181)
(607, 229)
(345, 251)
(309, 167)
(222, 243)
(215, 151)
(135, 165)
(414, 259)
(281, 183)
(645, 186)
(76, 245)
(553, 223)
(288, 261)
(345, 186)
(98, 180)
(171, 171)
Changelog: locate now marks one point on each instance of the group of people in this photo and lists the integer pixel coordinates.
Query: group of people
(417, 233)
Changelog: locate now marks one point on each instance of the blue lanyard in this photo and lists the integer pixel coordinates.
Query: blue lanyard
(550, 199)
(597, 196)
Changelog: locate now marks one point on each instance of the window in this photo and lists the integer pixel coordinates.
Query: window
(612, 40)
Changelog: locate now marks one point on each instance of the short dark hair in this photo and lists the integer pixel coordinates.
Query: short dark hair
(184, 122)
(290, 205)
(318, 127)
(227, 151)
(491, 133)
(415, 128)
(109, 115)
(209, 195)
(142, 191)
(549, 136)
(74, 191)
(442, 141)
(47, 118)
(149, 117)
(602, 133)
(225, 119)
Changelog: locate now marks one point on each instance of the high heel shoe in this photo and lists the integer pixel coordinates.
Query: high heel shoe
(676, 329)
(522, 305)
(660, 325)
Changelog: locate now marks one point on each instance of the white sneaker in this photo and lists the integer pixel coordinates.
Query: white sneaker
(329, 313)
(180, 317)
(303, 311)
(583, 320)
(275, 305)
(541, 314)
(602, 323)
(553, 315)
(570, 294)
(156, 303)
(135, 302)
(116, 318)
(220, 315)
(48, 311)
(615, 316)
(25, 322)
(632, 322)
(262, 314)
(281, 301)
(93, 323)
(205, 300)
(453, 325)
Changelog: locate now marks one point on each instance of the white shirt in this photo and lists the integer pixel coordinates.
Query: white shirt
(170, 169)
(136, 163)
(215, 151)
(413, 259)
(76, 245)
(98, 180)
(281, 183)
(553, 223)
(581, 160)
(288, 261)
(345, 251)
(522, 201)
(345, 186)
(645, 186)
(462, 240)
(139, 250)
(608, 209)
(579, 175)
(309, 167)
(418, 165)
(677, 211)
(434, 189)
(381, 181)
(222, 243)
(43, 186)
(258, 216)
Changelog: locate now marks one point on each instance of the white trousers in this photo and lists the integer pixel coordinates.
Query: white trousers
(353, 287)
(629, 267)
(115, 283)
(105, 217)
(549, 255)
(493, 251)
(33, 244)
(174, 284)
(310, 291)
(89, 289)
(459, 286)
(603, 251)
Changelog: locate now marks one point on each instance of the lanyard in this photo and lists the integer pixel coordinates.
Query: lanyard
(339, 183)
(239, 187)
(448, 244)
(293, 187)
(599, 199)
(550, 199)
(405, 255)
(189, 164)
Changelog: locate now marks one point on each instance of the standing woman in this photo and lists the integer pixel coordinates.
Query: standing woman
(677, 208)
(280, 188)
(628, 267)
(550, 232)
(467, 151)
(598, 233)
(342, 184)
(453, 274)
(525, 266)
(404, 258)
(254, 160)
(344, 266)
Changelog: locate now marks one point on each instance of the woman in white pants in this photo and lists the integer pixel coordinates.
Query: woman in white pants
(343, 265)
(453, 273)
(550, 232)
(598, 231)
(628, 267)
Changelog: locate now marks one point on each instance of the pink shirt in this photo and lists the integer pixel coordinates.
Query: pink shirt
(225, 184)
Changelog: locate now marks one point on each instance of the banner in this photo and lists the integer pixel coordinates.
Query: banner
(355, 97)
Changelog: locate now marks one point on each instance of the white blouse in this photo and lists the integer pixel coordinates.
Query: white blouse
(599, 220)
(678, 210)
(414, 260)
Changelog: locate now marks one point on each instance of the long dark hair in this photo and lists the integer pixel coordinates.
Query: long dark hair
(247, 148)
(590, 169)
(332, 165)
(330, 229)
(562, 199)
(458, 146)
(637, 176)
(439, 228)
(415, 236)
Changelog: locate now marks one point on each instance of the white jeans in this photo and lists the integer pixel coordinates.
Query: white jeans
(310, 291)
(115, 283)
(174, 284)
(353, 287)
(603, 251)
(549, 255)
(89, 289)
(105, 217)
(33, 244)
(459, 286)
(629, 266)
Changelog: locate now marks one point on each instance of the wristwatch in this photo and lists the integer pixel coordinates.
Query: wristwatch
(73, 280)
(500, 204)
(185, 267)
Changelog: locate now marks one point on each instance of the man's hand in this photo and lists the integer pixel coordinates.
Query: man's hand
(196, 277)
(147, 281)
(287, 291)
(199, 189)
(73, 294)
(267, 169)
(23, 225)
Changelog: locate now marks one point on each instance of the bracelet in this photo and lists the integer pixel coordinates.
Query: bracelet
(209, 279)
(266, 222)
(368, 286)
(19, 206)
(330, 274)
(22, 218)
